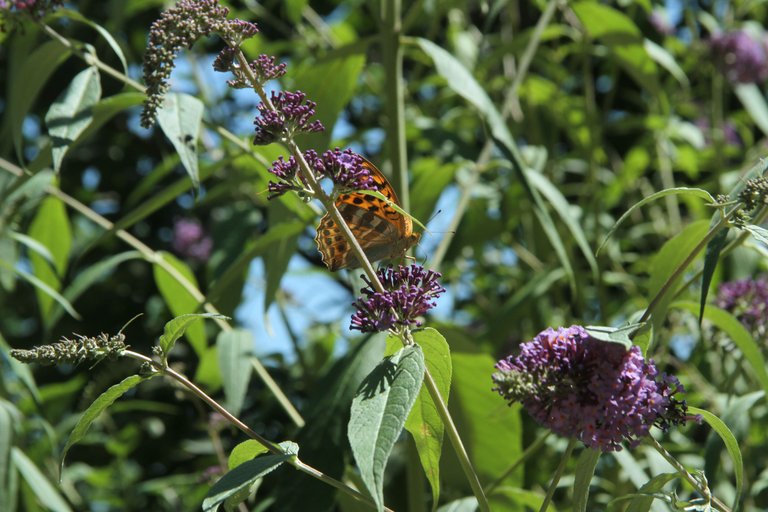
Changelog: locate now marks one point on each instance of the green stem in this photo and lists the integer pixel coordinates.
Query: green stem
(157, 258)
(533, 448)
(666, 287)
(558, 473)
(269, 445)
(458, 446)
(486, 152)
(688, 477)
(394, 92)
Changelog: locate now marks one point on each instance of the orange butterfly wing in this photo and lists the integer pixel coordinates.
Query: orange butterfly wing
(382, 231)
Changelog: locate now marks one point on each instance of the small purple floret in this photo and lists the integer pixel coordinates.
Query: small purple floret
(291, 115)
(410, 292)
(346, 170)
(581, 387)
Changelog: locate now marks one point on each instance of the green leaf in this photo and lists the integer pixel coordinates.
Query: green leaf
(178, 299)
(245, 475)
(642, 501)
(51, 228)
(754, 103)
(91, 275)
(672, 254)
(180, 119)
(585, 469)
(731, 445)
(98, 406)
(666, 60)
(622, 38)
(27, 83)
(490, 429)
(461, 81)
(424, 423)
(564, 210)
(758, 233)
(71, 113)
(74, 15)
(176, 328)
(696, 192)
(620, 335)
(33, 245)
(748, 346)
(41, 487)
(235, 349)
(379, 411)
(244, 452)
(278, 256)
(711, 257)
(330, 83)
(6, 442)
(42, 288)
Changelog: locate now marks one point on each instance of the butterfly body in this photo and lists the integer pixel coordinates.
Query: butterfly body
(382, 232)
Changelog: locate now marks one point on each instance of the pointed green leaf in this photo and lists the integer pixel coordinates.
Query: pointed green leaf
(176, 328)
(329, 82)
(726, 322)
(51, 228)
(235, 349)
(461, 81)
(564, 210)
(6, 442)
(754, 103)
(41, 487)
(643, 499)
(71, 113)
(585, 469)
(622, 38)
(98, 28)
(696, 192)
(244, 452)
(758, 233)
(180, 119)
(620, 335)
(722, 430)
(711, 257)
(83, 281)
(379, 411)
(26, 84)
(666, 262)
(33, 245)
(424, 423)
(98, 406)
(42, 288)
(245, 475)
(178, 299)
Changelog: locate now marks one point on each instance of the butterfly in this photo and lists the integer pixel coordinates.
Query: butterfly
(383, 232)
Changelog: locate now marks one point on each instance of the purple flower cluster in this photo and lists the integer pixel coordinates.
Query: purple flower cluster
(177, 28)
(344, 168)
(291, 115)
(35, 8)
(742, 58)
(581, 387)
(410, 292)
(747, 300)
(190, 240)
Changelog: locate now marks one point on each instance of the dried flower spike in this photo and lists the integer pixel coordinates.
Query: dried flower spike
(291, 115)
(74, 351)
(177, 28)
(409, 293)
(581, 387)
